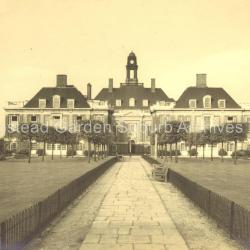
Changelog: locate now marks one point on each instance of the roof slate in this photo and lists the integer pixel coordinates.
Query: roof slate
(132, 91)
(198, 93)
(69, 92)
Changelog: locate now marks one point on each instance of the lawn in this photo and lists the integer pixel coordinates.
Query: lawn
(23, 184)
(231, 181)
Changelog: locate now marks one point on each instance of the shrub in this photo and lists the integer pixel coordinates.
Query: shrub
(2, 157)
(23, 152)
(241, 153)
(222, 152)
(40, 152)
(71, 152)
(193, 152)
(9, 152)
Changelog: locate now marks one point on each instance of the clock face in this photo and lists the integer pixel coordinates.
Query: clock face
(132, 61)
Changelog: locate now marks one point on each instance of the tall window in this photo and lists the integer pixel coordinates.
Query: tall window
(207, 101)
(192, 103)
(56, 101)
(118, 103)
(70, 103)
(42, 103)
(131, 102)
(222, 104)
(207, 122)
(145, 103)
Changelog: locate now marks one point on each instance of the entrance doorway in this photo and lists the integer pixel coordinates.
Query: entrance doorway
(131, 147)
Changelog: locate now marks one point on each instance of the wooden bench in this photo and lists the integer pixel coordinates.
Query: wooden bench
(159, 171)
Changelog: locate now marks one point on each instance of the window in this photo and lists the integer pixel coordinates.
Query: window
(231, 119)
(14, 118)
(118, 103)
(192, 103)
(70, 103)
(33, 146)
(131, 102)
(222, 104)
(33, 118)
(162, 103)
(207, 102)
(207, 122)
(13, 146)
(56, 101)
(42, 103)
(145, 103)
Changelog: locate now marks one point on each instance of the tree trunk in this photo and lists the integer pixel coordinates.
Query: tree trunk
(60, 151)
(44, 148)
(190, 147)
(52, 155)
(94, 151)
(203, 146)
(72, 150)
(166, 151)
(30, 147)
(222, 146)
(89, 151)
(171, 157)
(196, 151)
(235, 152)
(176, 153)
(212, 152)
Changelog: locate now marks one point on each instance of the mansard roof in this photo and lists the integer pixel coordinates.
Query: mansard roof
(138, 92)
(67, 92)
(199, 92)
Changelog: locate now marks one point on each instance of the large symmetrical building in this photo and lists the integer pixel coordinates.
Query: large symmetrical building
(136, 109)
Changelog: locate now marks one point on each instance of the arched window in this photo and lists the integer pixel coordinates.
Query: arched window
(207, 101)
(56, 101)
(131, 102)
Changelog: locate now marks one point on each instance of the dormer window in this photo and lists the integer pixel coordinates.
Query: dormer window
(56, 101)
(118, 103)
(222, 104)
(145, 103)
(192, 103)
(70, 103)
(42, 103)
(207, 102)
(131, 102)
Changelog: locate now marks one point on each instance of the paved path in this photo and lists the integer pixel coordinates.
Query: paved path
(132, 215)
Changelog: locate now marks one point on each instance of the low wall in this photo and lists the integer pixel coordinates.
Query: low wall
(229, 215)
(16, 231)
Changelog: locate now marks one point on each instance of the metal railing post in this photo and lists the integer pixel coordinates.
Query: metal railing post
(232, 219)
(3, 236)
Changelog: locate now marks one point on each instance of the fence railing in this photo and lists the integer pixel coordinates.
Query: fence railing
(16, 231)
(234, 218)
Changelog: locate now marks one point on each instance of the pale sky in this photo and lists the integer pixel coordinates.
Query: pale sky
(90, 40)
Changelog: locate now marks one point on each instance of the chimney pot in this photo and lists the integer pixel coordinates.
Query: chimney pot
(89, 87)
(61, 80)
(153, 85)
(110, 85)
(201, 80)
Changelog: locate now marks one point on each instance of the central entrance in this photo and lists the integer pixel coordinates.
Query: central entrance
(131, 147)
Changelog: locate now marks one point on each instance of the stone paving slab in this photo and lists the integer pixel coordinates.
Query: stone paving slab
(132, 215)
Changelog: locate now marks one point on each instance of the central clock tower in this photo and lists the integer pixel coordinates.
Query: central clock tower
(132, 68)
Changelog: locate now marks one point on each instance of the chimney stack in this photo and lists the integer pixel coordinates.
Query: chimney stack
(89, 87)
(110, 85)
(201, 80)
(153, 85)
(61, 80)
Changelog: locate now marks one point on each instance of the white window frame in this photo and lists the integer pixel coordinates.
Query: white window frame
(145, 102)
(118, 102)
(56, 98)
(70, 103)
(192, 101)
(42, 103)
(221, 101)
(204, 101)
(131, 102)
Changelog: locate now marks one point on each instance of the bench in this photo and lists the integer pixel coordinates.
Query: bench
(159, 171)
